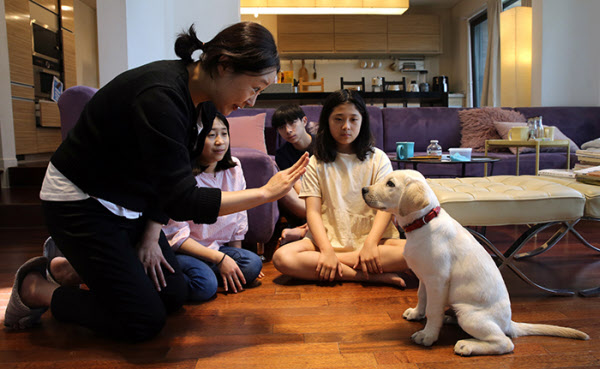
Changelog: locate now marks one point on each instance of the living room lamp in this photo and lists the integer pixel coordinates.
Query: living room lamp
(515, 56)
(312, 7)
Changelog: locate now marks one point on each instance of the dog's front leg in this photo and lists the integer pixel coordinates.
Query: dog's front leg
(436, 301)
(418, 312)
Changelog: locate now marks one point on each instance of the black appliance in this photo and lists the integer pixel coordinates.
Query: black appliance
(440, 84)
(46, 43)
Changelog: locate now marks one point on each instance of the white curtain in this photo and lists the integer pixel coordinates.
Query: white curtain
(490, 94)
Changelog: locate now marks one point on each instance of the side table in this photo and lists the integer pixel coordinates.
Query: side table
(530, 143)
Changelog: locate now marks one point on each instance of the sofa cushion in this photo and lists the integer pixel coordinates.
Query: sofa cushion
(248, 132)
(478, 125)
(270, 135)
(420, 125)
(579, 123)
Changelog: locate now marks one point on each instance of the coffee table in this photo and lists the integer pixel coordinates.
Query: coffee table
(530, 143)
(474, 160)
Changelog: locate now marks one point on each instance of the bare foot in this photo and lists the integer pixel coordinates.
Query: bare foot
(293, 234)
(387, 278)
(36, 291)
(63, 272)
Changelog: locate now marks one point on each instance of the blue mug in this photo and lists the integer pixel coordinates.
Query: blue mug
(405, 150)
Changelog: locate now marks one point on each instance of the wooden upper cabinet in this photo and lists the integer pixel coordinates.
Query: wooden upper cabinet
(305, 33)
(51, 5)
(66, 15)
(69, 61)
(361, 24)
(18, 30)
(366, 33)
(419, 33)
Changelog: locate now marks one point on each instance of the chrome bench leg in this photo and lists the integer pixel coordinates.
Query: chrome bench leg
(506, 259)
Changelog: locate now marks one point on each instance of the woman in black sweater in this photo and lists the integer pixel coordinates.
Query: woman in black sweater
(124, 170)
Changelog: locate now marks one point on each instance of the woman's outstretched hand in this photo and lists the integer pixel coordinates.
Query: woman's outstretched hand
(283, 181)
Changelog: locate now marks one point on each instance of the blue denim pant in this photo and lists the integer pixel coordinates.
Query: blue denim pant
(203, 277)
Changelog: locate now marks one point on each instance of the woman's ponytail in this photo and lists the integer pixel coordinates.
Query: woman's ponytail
(186, 44)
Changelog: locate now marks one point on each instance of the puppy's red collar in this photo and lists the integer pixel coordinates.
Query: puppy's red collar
(422, 221)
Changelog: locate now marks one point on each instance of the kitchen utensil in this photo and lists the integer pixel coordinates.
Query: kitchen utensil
(303, 74)
(314, 69)
(424, 87)
(414, 86)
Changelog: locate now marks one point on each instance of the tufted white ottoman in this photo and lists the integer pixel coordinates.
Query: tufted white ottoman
(505, 200)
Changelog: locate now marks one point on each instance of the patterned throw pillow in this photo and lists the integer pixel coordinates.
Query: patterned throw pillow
(478, 125)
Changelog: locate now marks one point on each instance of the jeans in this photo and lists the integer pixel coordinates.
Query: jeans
(203, 277)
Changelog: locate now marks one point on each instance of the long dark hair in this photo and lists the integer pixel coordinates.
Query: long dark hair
(244, 47)
(207, 112)
(325, 145)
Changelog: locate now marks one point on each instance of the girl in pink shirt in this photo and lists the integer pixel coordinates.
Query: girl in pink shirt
(210, 255)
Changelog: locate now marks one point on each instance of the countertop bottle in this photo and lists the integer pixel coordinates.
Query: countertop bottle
(434, 148)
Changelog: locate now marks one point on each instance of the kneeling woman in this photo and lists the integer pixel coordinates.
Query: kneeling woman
(210, 254)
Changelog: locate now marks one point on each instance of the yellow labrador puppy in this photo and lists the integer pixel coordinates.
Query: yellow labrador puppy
(453, 269)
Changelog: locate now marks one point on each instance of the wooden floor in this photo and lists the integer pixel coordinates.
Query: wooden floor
(288, 324)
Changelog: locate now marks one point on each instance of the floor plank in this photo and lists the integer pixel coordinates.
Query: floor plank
(291, 324)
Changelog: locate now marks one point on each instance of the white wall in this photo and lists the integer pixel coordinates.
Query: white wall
(7, 134)
(86, 44)
(135, 32)
(460, 78)
(566, 40)
(112, 39)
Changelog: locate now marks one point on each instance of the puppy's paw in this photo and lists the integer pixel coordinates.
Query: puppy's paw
(424, 338)
(412, 314)
(463, 348)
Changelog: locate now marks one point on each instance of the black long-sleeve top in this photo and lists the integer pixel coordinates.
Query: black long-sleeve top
(131, 146)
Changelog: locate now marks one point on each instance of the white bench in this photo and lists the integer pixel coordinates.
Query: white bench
(506, 200)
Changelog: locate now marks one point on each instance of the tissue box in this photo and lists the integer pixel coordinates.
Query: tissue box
(460, 154)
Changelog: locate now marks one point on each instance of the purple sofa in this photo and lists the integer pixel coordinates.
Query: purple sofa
(421, 125)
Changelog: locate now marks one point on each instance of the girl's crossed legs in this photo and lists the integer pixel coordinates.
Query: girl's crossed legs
(299, 260)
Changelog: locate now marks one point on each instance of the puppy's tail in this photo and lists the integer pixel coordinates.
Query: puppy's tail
(526, 329)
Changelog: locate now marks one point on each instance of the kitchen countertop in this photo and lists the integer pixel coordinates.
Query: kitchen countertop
(424, 98)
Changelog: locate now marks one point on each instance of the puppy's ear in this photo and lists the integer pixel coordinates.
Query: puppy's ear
(414, 197)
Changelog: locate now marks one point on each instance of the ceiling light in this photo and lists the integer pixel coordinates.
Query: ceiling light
(383, 7)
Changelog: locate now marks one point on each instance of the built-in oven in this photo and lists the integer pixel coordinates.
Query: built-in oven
(46, 50)
(43, 81)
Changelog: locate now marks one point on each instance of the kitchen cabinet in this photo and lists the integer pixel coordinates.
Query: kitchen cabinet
(24, 125)
(66, 15)
(362, 34)
(305, 33)
(69, 61)
(367, 33)
(18, 33)
(419, 33)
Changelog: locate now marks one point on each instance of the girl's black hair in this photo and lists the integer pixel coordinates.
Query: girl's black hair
(286, 114)
(207, 112)
(244, 47)
(325, 145)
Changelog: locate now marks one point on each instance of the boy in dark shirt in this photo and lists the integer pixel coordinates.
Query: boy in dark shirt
(291, 123)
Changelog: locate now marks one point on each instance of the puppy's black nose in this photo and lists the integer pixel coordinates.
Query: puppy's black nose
(365, 190)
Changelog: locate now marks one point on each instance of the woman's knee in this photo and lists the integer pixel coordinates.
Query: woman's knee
(144, 325)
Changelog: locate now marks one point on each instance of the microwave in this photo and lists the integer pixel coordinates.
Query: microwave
(46, 43)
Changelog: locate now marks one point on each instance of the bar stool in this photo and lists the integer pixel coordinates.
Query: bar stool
(302, 83)
(355, 85)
